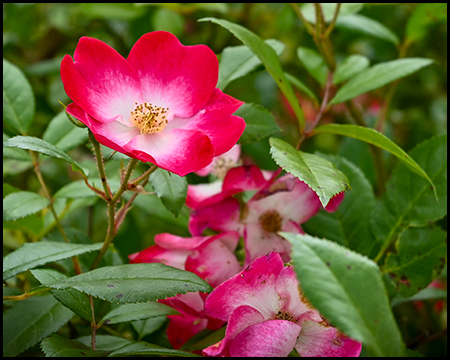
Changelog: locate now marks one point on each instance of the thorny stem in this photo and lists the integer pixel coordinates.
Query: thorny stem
(143, 176)
(111, 213)
(93, 324)
(100, 166)
(35, 158)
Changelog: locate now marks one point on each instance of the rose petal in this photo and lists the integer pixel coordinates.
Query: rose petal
(273, 338)
(101, 81)
(157, 254)
(178, 150)
(254, 286)
(214, 262)
(334, 202)
(318, 339)
(216, 122)
(241, 318)
(172, 75)
(221, 216)
(291, 299)
(196, 194)
(244, 178)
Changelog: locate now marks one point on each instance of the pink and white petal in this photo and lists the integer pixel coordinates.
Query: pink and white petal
(221, 216)
(254, 286)
(179, 151)
(174, 242)
(259, 242)
(190, 303)
(172, 75)
(196, 194)
(244, 178)
(216, 121)
(241, 318)
(101, 81)
(291, 299)
(334, 202)
(273, 338)
(205, 171)
(112, 134)
(157, 254)
(214, 263)
(319, 340)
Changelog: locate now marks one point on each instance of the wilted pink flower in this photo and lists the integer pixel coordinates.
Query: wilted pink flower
(268, 316)
(278, 205)
(159, 105)
(211, 258)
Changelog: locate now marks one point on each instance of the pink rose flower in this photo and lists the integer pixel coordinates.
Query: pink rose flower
(280, 204)
(268, 316)
(222, 163)
(210, 257)
(159, 105)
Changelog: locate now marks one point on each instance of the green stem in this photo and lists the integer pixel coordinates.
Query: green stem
(100, 166)
(111, 214)
(145, 175)
(333, 21)
(297, 10)
(93, 324)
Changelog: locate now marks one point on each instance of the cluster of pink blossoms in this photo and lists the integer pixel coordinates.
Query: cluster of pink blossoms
(161, 105)
(262, 303)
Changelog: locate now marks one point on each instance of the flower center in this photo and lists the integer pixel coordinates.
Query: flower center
(222, 165)
(284, 315)
(270, 221)
(149, 119)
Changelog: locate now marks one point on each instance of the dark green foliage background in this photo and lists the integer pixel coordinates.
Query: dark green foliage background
(37, 36)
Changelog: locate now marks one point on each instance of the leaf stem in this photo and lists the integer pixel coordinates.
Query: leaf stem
(333, 21)
(297, 10)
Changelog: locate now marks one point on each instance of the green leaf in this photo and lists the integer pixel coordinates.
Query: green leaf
(409, 199)
(144, 348)
(424, 15)
(351, 66)
(21, 204)
(378, 76)
(421, 256)
(134, 283)
(31, 320)
(347, 289)
(367, 26)
(318, 173)
(260, 123)
(18, 98)
(43, 147)
(75, 190)
(17, 154)
(238, 61)
(349, 224)
(58, 346)
(313, 63)
(132, 312)
(61, 133)
(72, 299)
(146, 327)
(426, 294)
(170, 188)
(373, 137)
(328, 10)
(302, 87)
(105, 342)
(31, 255)
(269, 58)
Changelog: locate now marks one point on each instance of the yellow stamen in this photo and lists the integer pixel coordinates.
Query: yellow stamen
(149, 119)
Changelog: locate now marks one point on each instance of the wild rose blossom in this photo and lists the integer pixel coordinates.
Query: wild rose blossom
(280, 204)
(159, 105)
(268, 316)
(222, 163)
(211, 258)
